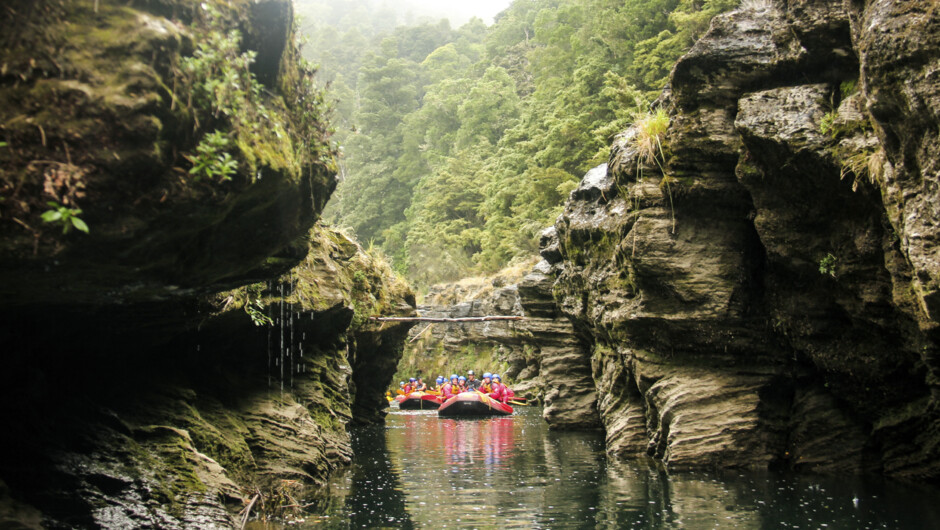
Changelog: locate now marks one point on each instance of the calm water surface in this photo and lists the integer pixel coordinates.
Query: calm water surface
(512, 472)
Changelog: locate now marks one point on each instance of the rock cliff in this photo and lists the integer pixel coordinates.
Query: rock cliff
(182, 342)
(760, 292)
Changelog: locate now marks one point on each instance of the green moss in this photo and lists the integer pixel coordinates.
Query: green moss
(323, 418)
(624, 282)
(221, 434)
(168, 456)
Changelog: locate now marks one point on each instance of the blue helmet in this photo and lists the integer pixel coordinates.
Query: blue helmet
(487, 374)
(461, 378)
(439, 380)
(412, 380)
(401, 383)
(452, 377)
(496, 376)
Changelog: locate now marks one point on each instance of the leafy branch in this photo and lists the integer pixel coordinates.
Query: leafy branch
(827, 265)
(255, 310)
(67, 217)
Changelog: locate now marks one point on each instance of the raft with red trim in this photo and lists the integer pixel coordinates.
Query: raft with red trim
(420, 401)
(473, 404)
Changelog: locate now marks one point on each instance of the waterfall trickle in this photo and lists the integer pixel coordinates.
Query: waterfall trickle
(281, 323)
(290, 353)
(270, 331)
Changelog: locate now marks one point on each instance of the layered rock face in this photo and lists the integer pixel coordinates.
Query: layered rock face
(763, 295)
(202, 348)
(114, 424)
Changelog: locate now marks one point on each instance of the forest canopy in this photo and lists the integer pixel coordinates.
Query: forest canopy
(461, 144)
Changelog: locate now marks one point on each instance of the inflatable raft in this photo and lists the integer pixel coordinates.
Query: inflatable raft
(473, 404)
(420, 401)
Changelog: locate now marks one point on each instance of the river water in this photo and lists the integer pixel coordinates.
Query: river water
(419, 470)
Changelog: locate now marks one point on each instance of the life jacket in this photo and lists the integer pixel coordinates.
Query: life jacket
(447, 391)
(498, 392)
(486, 388)
(422, 387)
(408, 389)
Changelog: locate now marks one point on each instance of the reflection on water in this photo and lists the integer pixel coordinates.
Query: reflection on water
(420, 471)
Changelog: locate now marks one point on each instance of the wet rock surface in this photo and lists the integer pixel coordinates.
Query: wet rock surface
(769, 291)
(129, 428)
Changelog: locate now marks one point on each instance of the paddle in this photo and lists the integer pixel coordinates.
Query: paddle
(518, 403)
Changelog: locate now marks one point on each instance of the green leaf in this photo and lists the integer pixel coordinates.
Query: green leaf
(79, 224)
(51, 216)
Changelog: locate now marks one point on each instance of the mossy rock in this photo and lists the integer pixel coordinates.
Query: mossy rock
(93, 123)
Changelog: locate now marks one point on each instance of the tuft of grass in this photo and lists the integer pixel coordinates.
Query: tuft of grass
(651, 128)
(650, 131)
(865, 164)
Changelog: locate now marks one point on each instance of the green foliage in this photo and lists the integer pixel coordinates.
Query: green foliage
(3, 144)
(827, 265)
(255, 310)
(282, 127)
(219, 73)
(649, 137)
(461, 145)
(826, 124)
(847, 88)
(360, 281)
(211, 160)
(687, 21)
(67, 217)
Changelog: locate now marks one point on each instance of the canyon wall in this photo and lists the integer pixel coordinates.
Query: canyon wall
(760, 292)
(182, 341)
